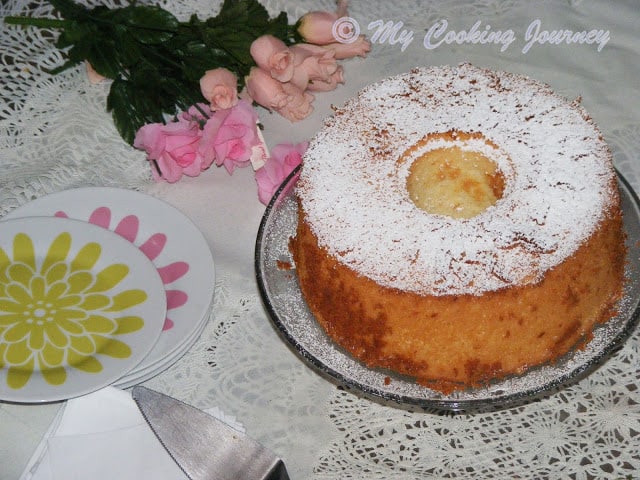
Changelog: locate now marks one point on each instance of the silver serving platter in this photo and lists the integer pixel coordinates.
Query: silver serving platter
(290, 315)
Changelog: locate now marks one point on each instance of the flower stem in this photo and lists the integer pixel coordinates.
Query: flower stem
(37, 22)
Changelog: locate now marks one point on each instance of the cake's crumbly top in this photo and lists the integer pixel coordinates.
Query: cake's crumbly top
(559, 181)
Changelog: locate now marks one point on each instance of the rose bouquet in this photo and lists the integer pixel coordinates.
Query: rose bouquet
(185, 92)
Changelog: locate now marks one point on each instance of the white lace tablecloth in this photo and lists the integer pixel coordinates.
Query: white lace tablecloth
(55, 134)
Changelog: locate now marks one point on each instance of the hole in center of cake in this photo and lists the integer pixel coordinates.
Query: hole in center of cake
(454, 181)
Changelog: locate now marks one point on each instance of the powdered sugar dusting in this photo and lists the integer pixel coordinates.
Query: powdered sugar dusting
(557, 168)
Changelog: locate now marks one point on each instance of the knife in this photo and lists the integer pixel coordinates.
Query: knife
(204, 447)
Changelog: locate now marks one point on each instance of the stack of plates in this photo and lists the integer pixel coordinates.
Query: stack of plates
(167, 258)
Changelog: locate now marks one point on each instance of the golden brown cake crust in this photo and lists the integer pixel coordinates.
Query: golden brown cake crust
(452, 342)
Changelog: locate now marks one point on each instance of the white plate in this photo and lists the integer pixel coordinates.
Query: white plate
(144, 220)
(79, 307)
(145, 374)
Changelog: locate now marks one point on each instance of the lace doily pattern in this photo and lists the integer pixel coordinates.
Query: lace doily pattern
(624, 143)
(586, 431)
(54, 131)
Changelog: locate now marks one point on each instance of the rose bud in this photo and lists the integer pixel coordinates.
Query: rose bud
(272, 55)
(266, 90)
(317, 27)
(220, 88)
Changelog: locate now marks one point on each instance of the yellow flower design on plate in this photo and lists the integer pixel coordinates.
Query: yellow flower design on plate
(61, 313)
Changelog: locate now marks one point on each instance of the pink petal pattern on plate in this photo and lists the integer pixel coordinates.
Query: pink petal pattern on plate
(153, 247)
(101, 216)
(128, 228)
(175, 299)
(170, 273)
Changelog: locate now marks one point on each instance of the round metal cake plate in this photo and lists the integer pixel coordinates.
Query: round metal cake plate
(278, 284)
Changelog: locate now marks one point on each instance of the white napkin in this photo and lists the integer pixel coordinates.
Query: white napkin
(103, 436)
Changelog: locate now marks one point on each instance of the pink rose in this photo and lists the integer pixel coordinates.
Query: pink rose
(299, 105)
(265, 90)
(220, 87)
(317, 27)
(229, 136)
(312, 62)
(272, 55)
(174, 147)
(330, 84)
(283, 160)
(359, 48)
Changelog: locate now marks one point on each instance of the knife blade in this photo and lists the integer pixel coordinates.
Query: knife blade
(204, 447)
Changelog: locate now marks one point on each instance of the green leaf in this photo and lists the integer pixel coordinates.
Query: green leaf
(69, 9)
(75, 33)
(78, 53)
(150, 25)
(128, 49)
(104, 60)
(130, 109)
(279, 27)
(243, 11)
